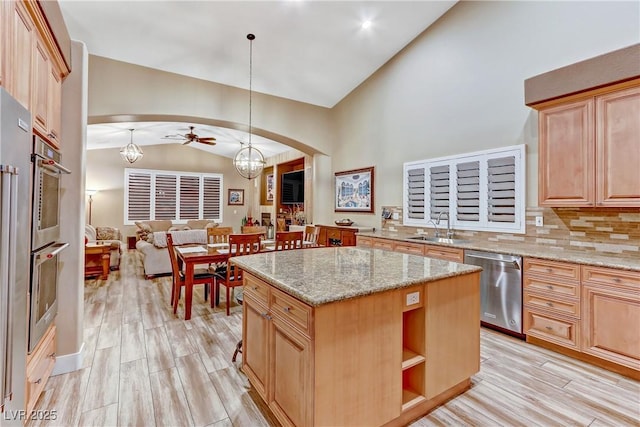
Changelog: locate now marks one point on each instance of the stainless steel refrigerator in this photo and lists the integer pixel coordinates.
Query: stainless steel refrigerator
(15, 237)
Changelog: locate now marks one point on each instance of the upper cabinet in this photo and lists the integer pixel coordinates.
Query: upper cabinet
(32, 66)
(589, 149)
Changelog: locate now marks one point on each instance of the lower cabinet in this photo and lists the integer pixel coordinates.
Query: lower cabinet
(446, 253)
(336, 236)
(39, 366)
(611, 315)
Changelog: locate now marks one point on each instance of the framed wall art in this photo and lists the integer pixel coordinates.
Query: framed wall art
(236, 197)
(270, 188)
(354, 191)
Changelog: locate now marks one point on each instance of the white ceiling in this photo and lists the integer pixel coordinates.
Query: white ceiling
(309, 51)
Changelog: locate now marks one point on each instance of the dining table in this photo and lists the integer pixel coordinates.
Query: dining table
(192, 255)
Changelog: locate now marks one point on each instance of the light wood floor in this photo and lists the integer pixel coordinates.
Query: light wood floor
(143, 366)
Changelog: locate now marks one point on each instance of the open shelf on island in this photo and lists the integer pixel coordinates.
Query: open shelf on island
(410, 398)
(411, 358)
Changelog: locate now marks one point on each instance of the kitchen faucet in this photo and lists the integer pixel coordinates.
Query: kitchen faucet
(449, 230)
(436, 232)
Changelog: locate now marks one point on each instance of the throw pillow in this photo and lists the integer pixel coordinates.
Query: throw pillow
(179, 228)
(211, 225)
(143, 229)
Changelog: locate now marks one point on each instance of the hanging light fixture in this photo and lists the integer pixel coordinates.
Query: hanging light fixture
(131, 152)
(249, 161)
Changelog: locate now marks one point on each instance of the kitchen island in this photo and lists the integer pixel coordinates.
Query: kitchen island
(357, 336)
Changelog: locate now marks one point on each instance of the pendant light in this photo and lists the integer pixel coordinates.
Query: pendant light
(249, 161)
(131, 152)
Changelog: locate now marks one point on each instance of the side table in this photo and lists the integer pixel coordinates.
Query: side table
(96, 260)
(131, 242)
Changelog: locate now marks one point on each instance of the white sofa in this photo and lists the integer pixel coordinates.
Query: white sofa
(153, 250)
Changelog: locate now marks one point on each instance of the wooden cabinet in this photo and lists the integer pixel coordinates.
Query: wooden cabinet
(589, 149)
(21, 39)
(39, 366)
(385, 357)
(41, 72)
(446, 253)
(611, 315)
(618, 148)
(551, 300)
(336, 236)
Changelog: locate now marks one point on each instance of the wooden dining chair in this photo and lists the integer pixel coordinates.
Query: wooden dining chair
(251, 229)
(311, 234)
(239, 244)
(219, 234)
(200, 276)
(287, 240)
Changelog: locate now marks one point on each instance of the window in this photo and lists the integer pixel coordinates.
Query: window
(179, 196)
(481, 191)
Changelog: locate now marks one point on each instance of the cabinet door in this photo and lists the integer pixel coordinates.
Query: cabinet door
(610, 322)
(566, 161)
(55, 105)
(255, 339)
(20, 65)
(348, 238)
(290, 386)
(618, 148)
(40, 101)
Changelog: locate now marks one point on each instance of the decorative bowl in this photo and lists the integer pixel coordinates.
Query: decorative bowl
(344, 222)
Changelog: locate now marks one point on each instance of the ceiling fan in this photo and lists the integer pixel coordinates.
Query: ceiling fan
(191, 137)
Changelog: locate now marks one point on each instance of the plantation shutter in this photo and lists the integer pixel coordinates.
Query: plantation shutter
(468, 191)
(189, 197)
(139, 196)
(415, 193)
(166, 197)
(439, 190)
(212, 195)
(501, 175)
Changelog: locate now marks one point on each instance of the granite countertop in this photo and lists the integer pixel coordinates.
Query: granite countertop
(323, 275)
(524, 249)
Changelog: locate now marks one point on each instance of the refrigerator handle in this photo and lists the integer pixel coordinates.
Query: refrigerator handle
(13, 221)
(6, 179)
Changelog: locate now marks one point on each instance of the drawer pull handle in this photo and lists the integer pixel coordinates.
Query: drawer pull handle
(549, 270)
(550, 304)
(52, 355)
(287, 309)
(255, 288)
(38, 381)
(550, 287)
(617, 279)
(548, 328)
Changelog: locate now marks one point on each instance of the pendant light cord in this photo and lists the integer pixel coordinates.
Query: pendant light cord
(251, 37)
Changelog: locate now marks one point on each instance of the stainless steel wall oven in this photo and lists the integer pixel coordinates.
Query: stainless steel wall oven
(46, 194)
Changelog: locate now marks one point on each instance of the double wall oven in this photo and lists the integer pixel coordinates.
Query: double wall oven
(45, 238)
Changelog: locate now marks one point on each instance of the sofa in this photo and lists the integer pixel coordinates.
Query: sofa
(152, 246)
(107, 235)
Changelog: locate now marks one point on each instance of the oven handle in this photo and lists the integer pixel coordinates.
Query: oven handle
(50, 252)
(53, 166)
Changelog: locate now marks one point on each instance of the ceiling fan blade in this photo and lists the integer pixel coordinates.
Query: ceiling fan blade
(206, 142)
(206, 139)
(187, 142)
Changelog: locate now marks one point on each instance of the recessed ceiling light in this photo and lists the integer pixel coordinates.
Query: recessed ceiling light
(366, 24)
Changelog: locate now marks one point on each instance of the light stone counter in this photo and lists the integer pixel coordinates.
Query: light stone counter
(323, 275)
(526, 250)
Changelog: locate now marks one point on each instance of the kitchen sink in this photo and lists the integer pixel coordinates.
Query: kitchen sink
(438, 239)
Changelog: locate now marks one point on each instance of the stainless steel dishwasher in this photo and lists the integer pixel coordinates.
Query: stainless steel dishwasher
(500, 290)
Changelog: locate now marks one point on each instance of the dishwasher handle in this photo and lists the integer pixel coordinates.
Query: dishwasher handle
(512, 261)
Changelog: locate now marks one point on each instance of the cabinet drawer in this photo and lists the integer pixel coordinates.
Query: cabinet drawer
(611, 277)
(382, 244)
(257, 289)
(552, 269)
(410, 248)
(442, 252)
(364, 241)
(333, 233)
(291, 310)
(39, 367)
(551, 287)
(568, 308)
(549, 328)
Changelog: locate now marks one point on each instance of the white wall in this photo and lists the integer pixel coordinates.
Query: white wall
(459, 87)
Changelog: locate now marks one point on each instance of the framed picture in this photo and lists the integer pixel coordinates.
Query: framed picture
(354, 191)
(236, 197)
(270, 189)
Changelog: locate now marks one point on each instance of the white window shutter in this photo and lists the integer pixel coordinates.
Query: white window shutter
(211, 197)
(138, 192)
(189, 197)
(166, 196)
(439, 194)
(414, 211)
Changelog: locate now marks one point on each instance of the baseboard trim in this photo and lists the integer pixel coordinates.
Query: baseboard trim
(68, 362)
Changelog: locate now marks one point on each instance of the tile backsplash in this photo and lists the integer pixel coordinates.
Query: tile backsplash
(610, 231)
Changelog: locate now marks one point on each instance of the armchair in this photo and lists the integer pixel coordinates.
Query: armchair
(106, 235)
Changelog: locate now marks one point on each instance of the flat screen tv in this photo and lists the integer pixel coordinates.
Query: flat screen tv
(292, 188)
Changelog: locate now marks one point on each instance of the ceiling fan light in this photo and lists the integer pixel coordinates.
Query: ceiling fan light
(249, 162)
(131, 152)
